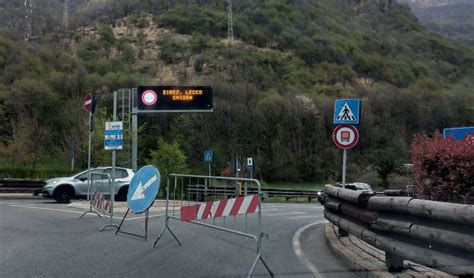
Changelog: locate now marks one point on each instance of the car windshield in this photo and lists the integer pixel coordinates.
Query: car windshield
(362, 186)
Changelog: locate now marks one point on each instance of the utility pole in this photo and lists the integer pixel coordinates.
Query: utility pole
(230, 27)
(28, 19)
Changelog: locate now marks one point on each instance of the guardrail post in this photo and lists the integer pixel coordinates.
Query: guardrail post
(342, 233)
(393, 262)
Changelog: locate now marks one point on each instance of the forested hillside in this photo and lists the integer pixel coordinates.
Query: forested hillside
(274, 85)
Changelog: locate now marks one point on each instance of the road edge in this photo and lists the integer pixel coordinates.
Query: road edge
(296, 241)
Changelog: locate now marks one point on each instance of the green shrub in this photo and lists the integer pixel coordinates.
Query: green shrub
(16, 173)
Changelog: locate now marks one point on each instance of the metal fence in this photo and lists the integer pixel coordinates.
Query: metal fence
(98, 204)
(224, 204)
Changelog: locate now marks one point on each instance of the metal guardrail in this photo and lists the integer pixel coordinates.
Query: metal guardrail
(435, 234)
(203, 191)
(20, 186)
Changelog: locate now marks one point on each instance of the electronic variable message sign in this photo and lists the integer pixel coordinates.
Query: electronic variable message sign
(155, 99)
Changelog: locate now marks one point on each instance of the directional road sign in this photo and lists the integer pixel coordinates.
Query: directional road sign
(208, 156)
(345, 136)
(113, 136)
(459, 133)
(347, 111)
(143, 189)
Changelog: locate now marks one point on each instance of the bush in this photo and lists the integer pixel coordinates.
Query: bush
(18, 173)
(444, 168)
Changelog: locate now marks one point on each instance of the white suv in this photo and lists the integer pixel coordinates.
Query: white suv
(64, 189)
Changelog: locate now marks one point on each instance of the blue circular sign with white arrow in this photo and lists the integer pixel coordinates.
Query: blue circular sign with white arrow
(143, 189)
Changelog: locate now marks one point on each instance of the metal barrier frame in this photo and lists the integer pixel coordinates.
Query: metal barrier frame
(92, 209)
(119, 227)
(258, 238)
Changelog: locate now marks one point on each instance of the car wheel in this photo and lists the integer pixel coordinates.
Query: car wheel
(63, 194)
(122, 194)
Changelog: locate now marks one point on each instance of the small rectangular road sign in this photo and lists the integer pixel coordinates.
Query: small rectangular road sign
(347, 111)
(113, 136)
(208, 156)
(249, 164)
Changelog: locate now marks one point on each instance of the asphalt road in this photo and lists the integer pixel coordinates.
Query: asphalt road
(40, 238)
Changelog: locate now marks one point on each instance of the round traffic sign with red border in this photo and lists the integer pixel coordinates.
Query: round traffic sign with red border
(345, 136)
(149, 97)
(88, 102)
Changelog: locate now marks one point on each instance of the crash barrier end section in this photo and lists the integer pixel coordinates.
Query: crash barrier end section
(219, 204)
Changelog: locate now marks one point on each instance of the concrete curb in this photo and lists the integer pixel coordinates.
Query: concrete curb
(158, 206)
(370, 261)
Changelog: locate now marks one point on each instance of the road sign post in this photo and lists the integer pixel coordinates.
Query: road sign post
(345, 137)
(89, 105)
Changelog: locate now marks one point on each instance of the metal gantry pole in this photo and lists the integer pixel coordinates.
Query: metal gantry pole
(134, 134)
(134, 140)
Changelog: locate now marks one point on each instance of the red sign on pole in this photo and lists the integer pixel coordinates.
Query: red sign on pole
(88, 102)
(345, 136)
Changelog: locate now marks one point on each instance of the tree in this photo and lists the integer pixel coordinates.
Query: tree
(107, 38)
(169, 159)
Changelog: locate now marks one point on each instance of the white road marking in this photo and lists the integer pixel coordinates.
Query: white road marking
(289, 213)
(305, 217)
(270, 209)
(31, 207)
(299, 251)
(81, 212)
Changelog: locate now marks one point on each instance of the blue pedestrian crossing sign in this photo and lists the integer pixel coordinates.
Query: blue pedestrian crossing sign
(143, 189)
(208, 156)
(347, 111)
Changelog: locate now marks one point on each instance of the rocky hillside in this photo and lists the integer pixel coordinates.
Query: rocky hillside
(433, 3)
(453, 19)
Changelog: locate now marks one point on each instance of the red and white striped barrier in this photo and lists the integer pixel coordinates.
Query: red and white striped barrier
(101, 203)
(226, 207)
